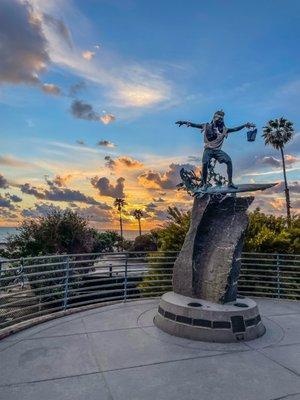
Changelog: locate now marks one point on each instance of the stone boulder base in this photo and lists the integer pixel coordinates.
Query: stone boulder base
(209, 263)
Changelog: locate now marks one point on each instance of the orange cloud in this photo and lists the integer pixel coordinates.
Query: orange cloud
(123, 162)
(150, 180)
(88, 55)
(289, 159)
(51, 89)
(277, 204)
(61, 180)
(107, 118)
(167, 180)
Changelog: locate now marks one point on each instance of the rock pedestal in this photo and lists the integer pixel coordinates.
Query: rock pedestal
(209, 262)
(207, 321)
(203, 303)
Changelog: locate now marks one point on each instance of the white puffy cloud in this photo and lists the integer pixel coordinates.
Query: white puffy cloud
(23, 45)
(126, 84)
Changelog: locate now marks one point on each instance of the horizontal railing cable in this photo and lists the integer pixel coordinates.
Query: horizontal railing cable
(37, 286)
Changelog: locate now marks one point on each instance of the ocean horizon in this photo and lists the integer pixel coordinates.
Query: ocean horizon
(9, 230)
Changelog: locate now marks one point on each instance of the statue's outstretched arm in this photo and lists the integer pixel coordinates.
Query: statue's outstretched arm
(239, 128)
(190, 124)
(199, 126)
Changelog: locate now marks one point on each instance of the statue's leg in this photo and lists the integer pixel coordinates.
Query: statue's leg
(229, 170)
(223, 157)
(205, 162)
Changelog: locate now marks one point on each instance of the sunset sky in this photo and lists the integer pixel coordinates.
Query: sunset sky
(90, 91)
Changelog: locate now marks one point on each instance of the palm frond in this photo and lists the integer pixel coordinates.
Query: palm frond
(119, 203)
(138, 214)
(278, 132)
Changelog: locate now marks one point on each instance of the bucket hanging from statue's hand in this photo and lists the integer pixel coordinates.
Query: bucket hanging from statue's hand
(251, 135)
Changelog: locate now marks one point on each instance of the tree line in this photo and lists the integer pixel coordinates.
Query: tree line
(66, 232)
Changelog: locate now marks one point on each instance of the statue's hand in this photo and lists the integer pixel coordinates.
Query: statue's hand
(249, 125)
(182, 123)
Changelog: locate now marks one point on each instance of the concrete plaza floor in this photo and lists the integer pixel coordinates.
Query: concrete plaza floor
(115, 352)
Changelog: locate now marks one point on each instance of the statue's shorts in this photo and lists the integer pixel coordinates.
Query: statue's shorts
(219, 155)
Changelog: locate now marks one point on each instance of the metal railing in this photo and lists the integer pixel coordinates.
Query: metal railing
(37, 286)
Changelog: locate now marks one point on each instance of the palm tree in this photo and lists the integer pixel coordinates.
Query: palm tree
(119, 203)
(138, 215)
(277, 133)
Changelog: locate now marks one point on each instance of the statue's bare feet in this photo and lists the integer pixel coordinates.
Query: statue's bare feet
(231, 185)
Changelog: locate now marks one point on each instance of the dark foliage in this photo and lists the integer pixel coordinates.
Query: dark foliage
(265, 234)
(106, 241)
(270, 234)
(147, 242)
(59, 232)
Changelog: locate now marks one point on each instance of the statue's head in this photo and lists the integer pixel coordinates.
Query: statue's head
(218, 117)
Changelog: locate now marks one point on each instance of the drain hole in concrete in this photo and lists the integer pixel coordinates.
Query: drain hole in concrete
(243, 305)
(195, 305)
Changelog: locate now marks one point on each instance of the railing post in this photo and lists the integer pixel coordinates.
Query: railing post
(66, 293)
(125, 277)
(278, 276)
(1, 274)
(22, 272)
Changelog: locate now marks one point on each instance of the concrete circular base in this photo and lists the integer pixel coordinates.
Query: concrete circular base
(203, 320)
